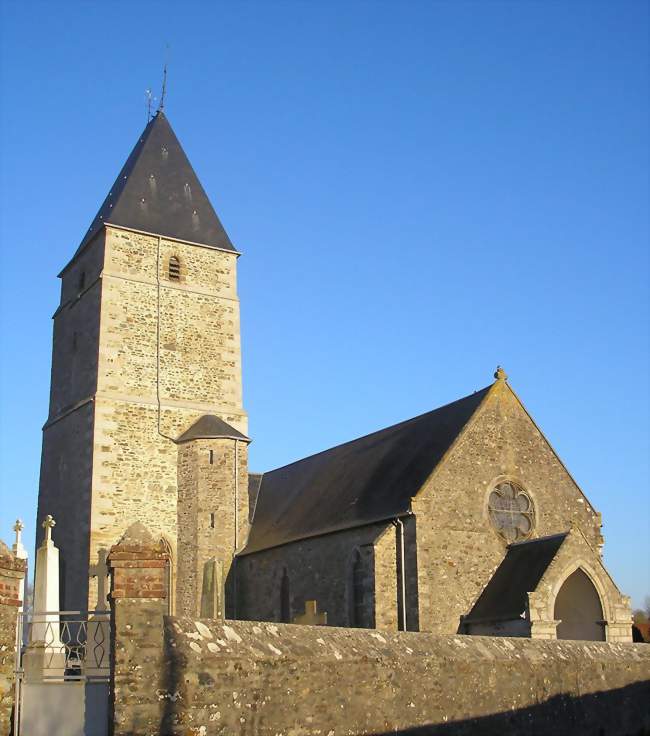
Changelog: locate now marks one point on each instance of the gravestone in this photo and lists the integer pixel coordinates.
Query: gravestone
(311, 616)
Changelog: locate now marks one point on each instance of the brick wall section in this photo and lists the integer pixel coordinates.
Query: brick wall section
(457, 548)
(138, 604)
(12, 571)
(237, 677)
(205, 489)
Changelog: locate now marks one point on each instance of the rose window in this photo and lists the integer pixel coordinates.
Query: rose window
(511, 512)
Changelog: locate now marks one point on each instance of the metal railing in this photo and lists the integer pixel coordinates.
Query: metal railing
(64, 645)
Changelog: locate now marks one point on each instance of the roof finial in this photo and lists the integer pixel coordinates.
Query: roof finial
(164, 84)
(500, 374)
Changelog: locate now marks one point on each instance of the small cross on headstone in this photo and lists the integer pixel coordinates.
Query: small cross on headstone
(311, 616)
(48, 525)
(18, 528)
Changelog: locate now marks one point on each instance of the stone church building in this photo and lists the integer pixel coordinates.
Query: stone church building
(462, 519)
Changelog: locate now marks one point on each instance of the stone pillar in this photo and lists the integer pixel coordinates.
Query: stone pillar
(137, 564)
(619, 628)
(45, 626)
(12, 573)
(541, 627)
(45, 654)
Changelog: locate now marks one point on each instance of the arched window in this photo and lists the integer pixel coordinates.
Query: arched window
(285, 598)
(358, 603)
(174, 268)
(578, 609)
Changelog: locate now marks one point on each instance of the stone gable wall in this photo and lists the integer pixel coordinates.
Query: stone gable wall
(457, 548)
(233, 677)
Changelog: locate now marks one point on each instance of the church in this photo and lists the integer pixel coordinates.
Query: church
(461, 520)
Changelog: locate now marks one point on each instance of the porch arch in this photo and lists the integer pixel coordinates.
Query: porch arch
(578, 607)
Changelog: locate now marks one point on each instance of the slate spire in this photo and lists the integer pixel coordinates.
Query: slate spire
(158, 192)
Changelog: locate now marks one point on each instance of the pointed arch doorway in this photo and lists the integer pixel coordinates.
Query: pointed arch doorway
(579, 610)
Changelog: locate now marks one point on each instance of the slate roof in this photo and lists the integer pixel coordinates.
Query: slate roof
(210, 427)
(158, 192)
(367, 480)
(504, 597)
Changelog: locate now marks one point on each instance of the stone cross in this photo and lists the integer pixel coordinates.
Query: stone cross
(311, 616)
(18, 527)
(100, 571)
(18, 548)
(48, 525)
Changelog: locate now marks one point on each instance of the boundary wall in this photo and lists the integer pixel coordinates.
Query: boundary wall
(175, 676)
(212, 677)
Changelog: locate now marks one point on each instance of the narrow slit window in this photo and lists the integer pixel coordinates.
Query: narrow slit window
(211, 457)
(174, 269)
(212, 520)
(82, 281)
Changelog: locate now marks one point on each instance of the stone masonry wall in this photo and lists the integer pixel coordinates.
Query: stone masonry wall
(12, 571)
(138, 592)
(320, 569)
(217, 678)
(207, 486)
(66, 460)
(66, 472)
(457, 548)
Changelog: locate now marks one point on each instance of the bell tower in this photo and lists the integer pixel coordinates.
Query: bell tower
(146, 342)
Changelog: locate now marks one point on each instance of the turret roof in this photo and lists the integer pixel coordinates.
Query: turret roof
(211, 427)
(157, 191)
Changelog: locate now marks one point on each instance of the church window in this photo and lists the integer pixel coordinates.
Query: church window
(211, 457)
(174, 268)
(212, 520)
(82, 281)
(358, 603)
(285, 598)
(169, 576)
(511, 512)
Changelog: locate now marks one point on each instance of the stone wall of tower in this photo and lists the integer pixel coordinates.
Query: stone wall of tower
(169, 353)
(212, 515)
(153, 356)
(67, 457)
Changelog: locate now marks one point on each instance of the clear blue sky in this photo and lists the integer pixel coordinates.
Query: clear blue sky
(421, 190)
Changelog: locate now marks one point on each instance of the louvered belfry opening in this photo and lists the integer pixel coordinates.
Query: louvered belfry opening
(174, 269)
